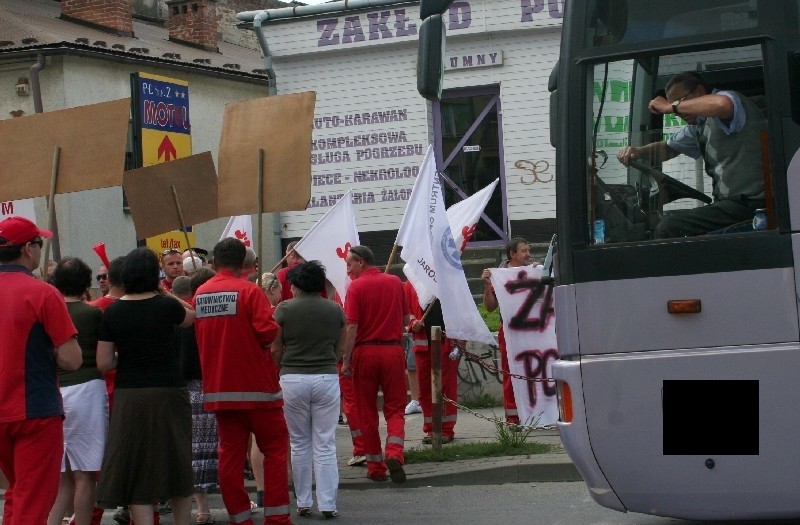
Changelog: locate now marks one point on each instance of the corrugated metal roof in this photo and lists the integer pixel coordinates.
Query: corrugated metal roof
(34, 26)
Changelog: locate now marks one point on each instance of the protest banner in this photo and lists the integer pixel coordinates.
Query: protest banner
(526, 306)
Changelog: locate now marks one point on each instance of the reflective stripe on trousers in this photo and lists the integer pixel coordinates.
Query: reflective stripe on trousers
(276, 511)
(242, 396)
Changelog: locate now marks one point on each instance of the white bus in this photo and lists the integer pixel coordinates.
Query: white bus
(678, 334)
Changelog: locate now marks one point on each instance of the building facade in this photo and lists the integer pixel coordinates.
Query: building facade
(372, 128)
(84, 55)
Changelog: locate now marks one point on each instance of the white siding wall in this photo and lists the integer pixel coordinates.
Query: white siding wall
(378, 74)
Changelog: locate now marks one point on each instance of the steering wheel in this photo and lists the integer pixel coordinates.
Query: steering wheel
(671, 189)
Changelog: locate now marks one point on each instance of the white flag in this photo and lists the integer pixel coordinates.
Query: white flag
(464, 216)
(434, 263)
(239, 227)
(329, 240)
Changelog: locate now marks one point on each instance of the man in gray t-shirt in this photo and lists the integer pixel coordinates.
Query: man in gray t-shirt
(725, 129)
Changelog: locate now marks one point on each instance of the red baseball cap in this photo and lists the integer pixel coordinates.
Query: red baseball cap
(19, 230)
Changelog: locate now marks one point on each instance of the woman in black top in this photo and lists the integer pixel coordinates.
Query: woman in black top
(148, 456)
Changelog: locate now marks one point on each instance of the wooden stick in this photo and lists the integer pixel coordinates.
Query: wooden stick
(51, 206)
(183, 224)
(259, 243)
(278, 264)
(428, 309)
(436, 387)
(391, 258)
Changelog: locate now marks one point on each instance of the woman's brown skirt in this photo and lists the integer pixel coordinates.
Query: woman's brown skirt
(148, 455)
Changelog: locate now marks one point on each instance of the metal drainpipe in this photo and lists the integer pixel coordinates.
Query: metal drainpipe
(277, 222)
(37, 107)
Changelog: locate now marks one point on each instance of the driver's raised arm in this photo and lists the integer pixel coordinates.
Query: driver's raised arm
(657, 151)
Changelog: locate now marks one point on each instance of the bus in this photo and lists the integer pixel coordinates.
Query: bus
(680, 349)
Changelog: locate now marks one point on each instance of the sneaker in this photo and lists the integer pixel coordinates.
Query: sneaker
(356, 461)
(342, 421)
(413, 407)
(396, 471)
(304, 512)
(329, 514)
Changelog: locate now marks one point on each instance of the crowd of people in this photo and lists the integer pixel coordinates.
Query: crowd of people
(183, 369)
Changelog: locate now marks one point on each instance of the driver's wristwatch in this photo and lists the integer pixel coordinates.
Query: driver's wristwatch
(675, 105)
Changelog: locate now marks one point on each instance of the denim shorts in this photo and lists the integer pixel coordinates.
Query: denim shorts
(408, 347)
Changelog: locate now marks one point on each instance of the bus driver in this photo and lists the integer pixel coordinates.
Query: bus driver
(725, 128)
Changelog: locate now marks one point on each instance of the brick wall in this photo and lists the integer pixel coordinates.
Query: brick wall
(194, 22)
(112, 15)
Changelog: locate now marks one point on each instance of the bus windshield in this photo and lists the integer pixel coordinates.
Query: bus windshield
(627, 21)
(643, 180)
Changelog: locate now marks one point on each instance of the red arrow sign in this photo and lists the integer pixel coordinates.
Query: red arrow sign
(166, 148)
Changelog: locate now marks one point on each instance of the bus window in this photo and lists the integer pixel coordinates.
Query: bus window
(653, 174)
(626, 21)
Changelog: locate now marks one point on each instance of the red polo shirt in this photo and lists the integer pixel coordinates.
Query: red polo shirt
(34, 323)
(376, 302)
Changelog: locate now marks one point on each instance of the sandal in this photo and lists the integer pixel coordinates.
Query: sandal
(330, 514)
(204, 518)
(304, 512)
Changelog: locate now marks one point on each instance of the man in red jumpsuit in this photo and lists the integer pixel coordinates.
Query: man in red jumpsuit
(421, 332)
(518, 252)
(38, 334)
(234, 329)
(377, 312)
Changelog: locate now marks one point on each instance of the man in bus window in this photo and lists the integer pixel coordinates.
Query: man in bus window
(725, 129)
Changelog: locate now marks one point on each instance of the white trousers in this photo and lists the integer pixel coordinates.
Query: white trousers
(311, 408)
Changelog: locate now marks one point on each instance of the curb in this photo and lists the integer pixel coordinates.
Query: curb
(496, 471)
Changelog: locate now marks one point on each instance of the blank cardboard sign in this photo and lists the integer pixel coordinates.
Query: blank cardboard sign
(281, 126)
(92, 141)
(149, 192)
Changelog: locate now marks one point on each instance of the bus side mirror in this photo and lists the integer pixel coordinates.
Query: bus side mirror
(433, 7)
(554, 119)
(552, 87)
(430, 58)
(794, 84)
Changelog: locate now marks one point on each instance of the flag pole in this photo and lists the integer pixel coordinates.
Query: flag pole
(183, 224)
(428, 309)
(391, 258)
(51, 206)
(436, 387)
(259, 242)
(278, 264)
